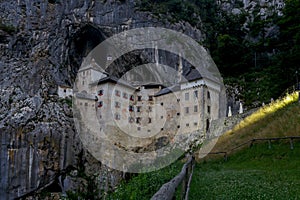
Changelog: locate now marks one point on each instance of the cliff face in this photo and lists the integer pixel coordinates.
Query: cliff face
(42, 44)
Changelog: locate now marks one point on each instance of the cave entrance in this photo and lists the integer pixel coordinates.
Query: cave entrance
(82, 43)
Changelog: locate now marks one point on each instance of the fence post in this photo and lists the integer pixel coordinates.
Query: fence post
(252, 141)
(291, 143)
(184, 182)
(225, 156)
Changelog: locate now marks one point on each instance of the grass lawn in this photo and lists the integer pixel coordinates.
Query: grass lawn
(253, 173)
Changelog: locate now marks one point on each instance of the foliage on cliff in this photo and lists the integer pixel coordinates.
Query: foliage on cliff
(263, 52)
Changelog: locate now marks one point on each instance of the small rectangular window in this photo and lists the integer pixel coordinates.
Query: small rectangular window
(131, 108)
(208, 95)
(178, 100)
(125, 95)
(150, 109)
(138, 128)
(150, 120)
(117, 93)
(100, 104)
(196, 94)
(130, 119)
(139, 98)
(117, 104)
(187, 96)
(195, 123)
(150, 98)
(187, 110)
(138, 109)
(208, 109)
(138, 120)
(117, 116)
(187, 125)
(100, 92)
(131, 98)
(195, 108)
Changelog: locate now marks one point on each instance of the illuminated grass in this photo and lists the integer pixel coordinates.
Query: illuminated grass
(279, 118)
(266, 110)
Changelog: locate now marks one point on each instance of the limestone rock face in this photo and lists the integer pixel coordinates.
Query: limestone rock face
(42, 44)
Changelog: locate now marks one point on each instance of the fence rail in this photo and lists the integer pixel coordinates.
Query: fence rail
(167, 190)
(252, 141)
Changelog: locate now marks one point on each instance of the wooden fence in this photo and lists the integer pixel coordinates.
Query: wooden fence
(251, 142)
(167, 191)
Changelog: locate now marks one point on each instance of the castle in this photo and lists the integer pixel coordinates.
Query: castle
(148, 108)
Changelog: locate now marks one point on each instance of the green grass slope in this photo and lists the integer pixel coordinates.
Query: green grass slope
(254, 173)
(258, 172)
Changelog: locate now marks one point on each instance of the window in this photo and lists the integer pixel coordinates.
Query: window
(117, 116)
(178, 114)
(207, 124)
(208, 109)
(65, 90)
(195, 123)
(125, 95)
(117, 104)
(161, 117)
(208, 95)
(196, 94)
(139, 98)
(178, 100)
(117, 93)
(162, 129)
(138, 120)
(161, 103)
(178, 126)
(150, 98)
(131, 108)
(150, 109)
(100, 92)
(149, 120)
(130, 119)
(82, 82)
(187, 125)
(131, 98)
(86, 104)
(100, 104)
(195, 108)
(138, 109)
(138, 128)
(187, 110)
(187, 96)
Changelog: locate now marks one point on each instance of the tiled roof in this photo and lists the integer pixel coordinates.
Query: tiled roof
(113, 79)
(167, 90)
(191, 74)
